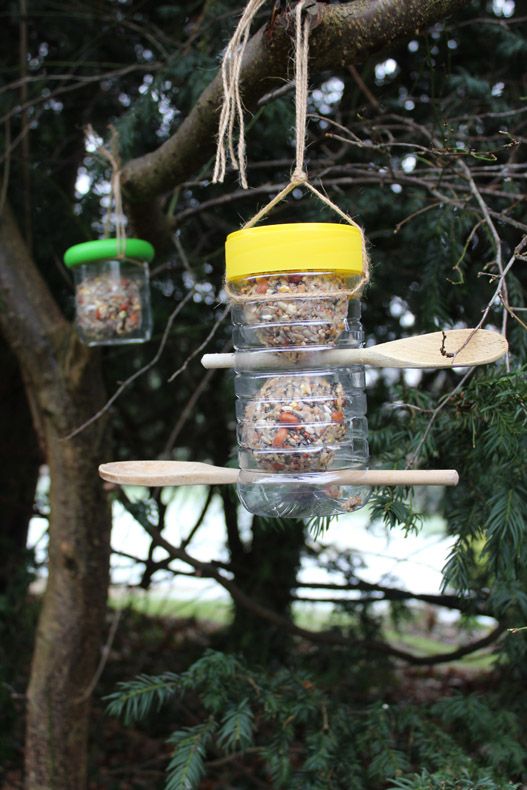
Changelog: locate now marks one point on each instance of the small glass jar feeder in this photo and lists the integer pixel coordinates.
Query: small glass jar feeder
(295, 291)
(112, 293)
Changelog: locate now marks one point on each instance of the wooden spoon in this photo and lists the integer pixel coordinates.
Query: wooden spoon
(434, 350)
(192, 473)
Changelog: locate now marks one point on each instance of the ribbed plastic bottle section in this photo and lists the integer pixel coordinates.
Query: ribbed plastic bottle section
(298, 425)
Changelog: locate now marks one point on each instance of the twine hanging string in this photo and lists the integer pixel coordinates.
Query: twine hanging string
(232, 108)
(112, 156)
(232, 111)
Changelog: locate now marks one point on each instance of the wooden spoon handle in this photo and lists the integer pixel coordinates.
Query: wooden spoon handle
(189, 473)
(455, 348)
(398, 477)
(261, 360)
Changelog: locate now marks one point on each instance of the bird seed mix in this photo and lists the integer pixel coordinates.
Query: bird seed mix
(303, 309)
(107, 308)
(294, 423)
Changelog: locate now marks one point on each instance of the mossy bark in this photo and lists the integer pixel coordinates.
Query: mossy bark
(64, 386)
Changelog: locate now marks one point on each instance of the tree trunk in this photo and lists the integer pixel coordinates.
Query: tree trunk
(267, 573)
(20, 460)
(69, 631)
(19, 464)
(64, 386)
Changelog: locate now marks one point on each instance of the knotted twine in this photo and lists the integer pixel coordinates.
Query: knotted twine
(116, 199)
(112, 156)
(232, 114)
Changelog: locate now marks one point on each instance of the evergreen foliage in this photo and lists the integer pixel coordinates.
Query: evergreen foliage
(446, 781)
(142, 696)
(485, 424)
(304, 734)
(187, 766)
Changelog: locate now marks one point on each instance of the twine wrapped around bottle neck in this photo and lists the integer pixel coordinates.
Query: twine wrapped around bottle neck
(239, 298)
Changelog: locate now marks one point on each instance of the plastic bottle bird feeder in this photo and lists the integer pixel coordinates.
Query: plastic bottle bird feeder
(299, 363)
(112, 293)
(295, 289)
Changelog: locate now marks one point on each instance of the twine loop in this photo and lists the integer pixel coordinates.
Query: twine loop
(232, 115)
(112, 156)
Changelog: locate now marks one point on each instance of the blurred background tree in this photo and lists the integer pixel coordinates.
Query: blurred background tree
(417, 128)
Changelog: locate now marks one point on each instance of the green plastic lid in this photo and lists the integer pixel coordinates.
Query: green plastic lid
(108, 249)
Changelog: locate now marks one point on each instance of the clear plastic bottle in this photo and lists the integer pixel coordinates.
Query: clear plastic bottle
(295, 291)
(112, 292)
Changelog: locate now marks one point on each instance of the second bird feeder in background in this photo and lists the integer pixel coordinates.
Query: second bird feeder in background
(112, 291)
(295, 289)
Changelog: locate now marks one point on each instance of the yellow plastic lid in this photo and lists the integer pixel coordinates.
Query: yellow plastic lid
(304, 246)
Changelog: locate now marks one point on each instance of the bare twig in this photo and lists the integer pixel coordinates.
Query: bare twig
(272, 95)
(200, 348)
(210, 570)
(497, 244)
(187, 411)
(515, 256)
(361, 85)
(224, 199)
(81, 82)
(512, 313)
(78, 77)
(7, 167)
(186, 541)
(125, 384)
(460, 603)
(415, 214)
(105, 654)
(457, 265)
(412, 459)
(26, 151)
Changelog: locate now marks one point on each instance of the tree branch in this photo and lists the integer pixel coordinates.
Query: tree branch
(468, 605)
(208, 570)
(345, 34)
(30, 319)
